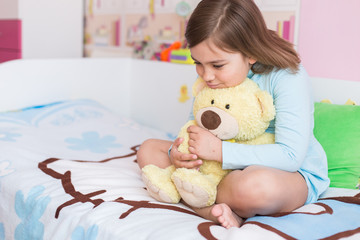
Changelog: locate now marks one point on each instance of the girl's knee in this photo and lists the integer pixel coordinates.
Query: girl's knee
(248, 189)
(144, 151)
(153, 151)
(259, 185)
(148, 143)
(147, 147)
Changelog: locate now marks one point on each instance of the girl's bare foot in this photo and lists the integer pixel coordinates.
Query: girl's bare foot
(225, 216)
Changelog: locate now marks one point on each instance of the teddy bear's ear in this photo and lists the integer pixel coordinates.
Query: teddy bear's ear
(267, 106)
(198, 86)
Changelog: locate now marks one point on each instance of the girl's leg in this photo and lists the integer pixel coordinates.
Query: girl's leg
(157, 179)
(154, 151)
(262, 190)
(256, 190)
(220, 213)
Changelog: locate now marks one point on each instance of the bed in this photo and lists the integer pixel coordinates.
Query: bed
(69, 132)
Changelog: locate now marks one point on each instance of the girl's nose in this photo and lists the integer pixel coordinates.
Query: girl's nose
(208, 75)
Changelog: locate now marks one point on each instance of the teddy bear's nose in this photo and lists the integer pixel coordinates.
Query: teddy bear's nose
(210, 120)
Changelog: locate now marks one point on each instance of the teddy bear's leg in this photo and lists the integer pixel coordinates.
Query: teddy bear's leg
(159, 185)
(195, 189)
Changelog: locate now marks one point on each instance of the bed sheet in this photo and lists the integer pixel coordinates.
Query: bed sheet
(68, 171)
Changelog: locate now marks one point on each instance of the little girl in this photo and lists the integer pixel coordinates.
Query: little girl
(229, 41)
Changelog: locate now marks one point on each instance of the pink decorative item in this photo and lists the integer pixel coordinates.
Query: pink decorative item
(10, 40)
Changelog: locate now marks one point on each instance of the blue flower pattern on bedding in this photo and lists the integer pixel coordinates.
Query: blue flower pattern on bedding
(9, 136)
(93, 142)
(80, 234)
(171, 136)
(76, 115)
(4, 168)
(2, 232)
(30, 212)
(78, 110)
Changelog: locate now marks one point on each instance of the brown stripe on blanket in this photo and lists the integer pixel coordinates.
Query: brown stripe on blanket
(146, 204)
(270, 228)
(134, 149)
(69, 188)
(353, 200)
(327, 210)
(343, 234)
(204, 229)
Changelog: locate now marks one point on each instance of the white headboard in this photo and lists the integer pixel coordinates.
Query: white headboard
(338, 91)
(146, 91)
(40, 81)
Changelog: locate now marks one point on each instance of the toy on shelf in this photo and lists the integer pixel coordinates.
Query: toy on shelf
(183, 10)
(165, 54)
(145, 49)
(174, 53)
(181, 56)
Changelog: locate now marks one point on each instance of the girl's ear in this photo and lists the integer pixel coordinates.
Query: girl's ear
(198, 86)
(266, 103)
(252, 60)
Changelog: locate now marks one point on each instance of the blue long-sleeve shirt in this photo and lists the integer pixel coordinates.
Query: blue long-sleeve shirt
(295, 148)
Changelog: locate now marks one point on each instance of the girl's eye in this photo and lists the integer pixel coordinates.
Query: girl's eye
(218, 66)
(197, 63)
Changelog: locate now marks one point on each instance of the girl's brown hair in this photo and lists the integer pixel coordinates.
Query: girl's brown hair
(238, 26)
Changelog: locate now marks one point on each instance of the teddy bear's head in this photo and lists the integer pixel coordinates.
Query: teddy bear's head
(241, 113)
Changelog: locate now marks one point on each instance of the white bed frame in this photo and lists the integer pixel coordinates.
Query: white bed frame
(146, 91)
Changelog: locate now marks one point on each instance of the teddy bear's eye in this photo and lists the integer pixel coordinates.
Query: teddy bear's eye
(227, 106)
(212, 101)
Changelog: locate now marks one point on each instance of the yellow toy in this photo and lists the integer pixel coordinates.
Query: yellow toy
(182, 55)
(239, 114)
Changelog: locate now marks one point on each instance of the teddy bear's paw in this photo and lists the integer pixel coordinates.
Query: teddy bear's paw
(157, 193)
(159, 185)
(193, 195)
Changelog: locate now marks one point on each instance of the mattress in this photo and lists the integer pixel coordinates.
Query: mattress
(68, 171)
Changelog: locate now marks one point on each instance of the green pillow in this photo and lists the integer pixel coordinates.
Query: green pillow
(337, 128)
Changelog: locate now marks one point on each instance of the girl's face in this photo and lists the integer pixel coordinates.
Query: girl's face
(218, 68)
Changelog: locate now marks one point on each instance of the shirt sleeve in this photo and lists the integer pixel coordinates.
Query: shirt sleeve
(293, 126)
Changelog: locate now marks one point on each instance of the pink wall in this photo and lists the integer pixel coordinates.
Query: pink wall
(329, 38)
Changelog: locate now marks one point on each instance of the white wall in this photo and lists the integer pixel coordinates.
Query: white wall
(51, 28)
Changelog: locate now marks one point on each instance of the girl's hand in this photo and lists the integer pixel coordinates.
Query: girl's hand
(204, 144)
(184, 160)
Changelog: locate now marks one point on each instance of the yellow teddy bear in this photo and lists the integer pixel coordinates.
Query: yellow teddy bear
(238, 114)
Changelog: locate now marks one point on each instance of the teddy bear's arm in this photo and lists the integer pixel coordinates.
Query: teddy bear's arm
(183, 147)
